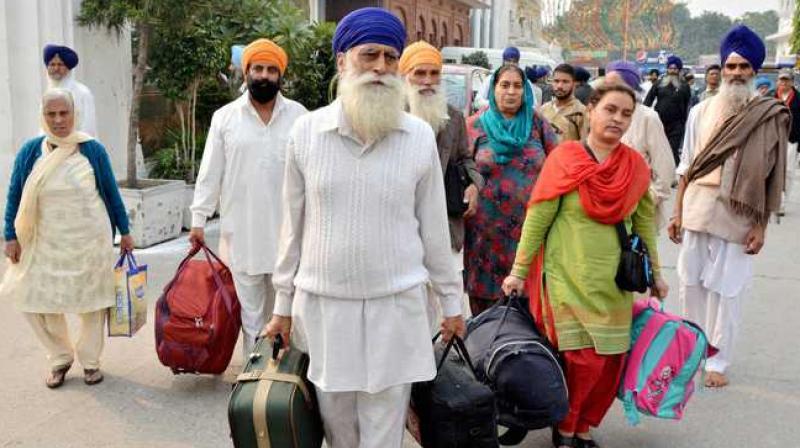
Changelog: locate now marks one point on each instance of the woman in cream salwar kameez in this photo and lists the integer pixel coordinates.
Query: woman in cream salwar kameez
(62, 210)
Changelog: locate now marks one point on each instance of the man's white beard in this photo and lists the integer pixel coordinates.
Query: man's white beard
(62, 83)
(373, 110)
(671, 79)
(734, 97)
(430, 108)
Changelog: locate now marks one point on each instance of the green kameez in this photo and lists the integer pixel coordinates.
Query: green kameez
(580, 263)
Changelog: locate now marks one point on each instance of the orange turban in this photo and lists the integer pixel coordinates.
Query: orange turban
(419, 53)
(264, 50)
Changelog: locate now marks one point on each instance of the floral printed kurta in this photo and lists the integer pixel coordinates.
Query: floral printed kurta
(492, 234)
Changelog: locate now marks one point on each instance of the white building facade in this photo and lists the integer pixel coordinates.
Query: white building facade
(783, 53)
(104, 66)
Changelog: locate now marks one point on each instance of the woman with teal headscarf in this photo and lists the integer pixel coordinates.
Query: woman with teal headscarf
(510, 141)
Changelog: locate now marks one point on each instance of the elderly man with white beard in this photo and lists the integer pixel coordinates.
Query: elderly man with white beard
(672, 97)
(421, 66)
(364, 231)
(60, 61)
(732, 177)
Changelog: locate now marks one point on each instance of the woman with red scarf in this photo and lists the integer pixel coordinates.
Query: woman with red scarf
(583, 191)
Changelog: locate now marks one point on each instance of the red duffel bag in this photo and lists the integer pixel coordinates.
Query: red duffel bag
(198, 316)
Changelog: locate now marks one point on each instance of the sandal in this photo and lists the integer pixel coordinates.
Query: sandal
(57, 376)
(560, 440)
(92, 376)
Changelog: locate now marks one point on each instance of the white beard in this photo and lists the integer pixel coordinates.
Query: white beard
(372, 110)
(735, 97)
(671, 79)
(730, 100)
(430, 108)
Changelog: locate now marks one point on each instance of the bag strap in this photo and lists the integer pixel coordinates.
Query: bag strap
(461, 350)
(622, 234)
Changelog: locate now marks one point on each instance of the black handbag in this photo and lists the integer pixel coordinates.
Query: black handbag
(456, 181)
(455, 410)
(635, 272)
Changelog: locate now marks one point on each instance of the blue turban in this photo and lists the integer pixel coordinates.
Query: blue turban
(511, 53)
(66, 54)
(744, 42)
(676, 61)
(764, 81)
(369, 26)
(582, 75)
(628, 71)
(236, 55)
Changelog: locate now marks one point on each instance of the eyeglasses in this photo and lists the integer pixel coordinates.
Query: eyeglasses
(741, 66)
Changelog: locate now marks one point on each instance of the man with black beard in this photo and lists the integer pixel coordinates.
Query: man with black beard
(421, 66)
(672, 97)
(364, 233)
(242, 171)
(565, 113)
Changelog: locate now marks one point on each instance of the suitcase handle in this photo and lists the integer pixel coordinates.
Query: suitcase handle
(277, 345)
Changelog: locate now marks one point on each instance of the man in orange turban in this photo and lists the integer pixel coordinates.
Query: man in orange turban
(242, 170)
(421, 65)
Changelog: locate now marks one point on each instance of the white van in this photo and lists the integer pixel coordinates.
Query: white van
(528, 56)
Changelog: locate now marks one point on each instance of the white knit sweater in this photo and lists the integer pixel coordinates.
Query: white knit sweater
(363, 221)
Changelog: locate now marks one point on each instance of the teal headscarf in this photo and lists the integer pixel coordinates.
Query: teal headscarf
(508, 137)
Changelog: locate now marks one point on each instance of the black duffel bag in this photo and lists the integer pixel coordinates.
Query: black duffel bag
(520, 366)
(455, 409)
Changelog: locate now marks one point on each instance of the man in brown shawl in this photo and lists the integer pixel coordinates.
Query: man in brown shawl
(732, 176)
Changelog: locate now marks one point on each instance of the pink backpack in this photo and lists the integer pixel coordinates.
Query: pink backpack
(666, 353)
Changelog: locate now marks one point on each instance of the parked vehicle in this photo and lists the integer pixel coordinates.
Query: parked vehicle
(462, 83)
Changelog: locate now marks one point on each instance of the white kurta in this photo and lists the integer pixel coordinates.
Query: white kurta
(242, 170)
(365, 228)
(713, 268)
(646, 135)
(68, 268)
(85, 119)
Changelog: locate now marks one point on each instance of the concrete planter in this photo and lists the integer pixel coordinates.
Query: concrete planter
(188, 197)
(155, 210)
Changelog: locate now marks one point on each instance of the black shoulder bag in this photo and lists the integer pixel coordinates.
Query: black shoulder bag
(456, 181)
(635, 272)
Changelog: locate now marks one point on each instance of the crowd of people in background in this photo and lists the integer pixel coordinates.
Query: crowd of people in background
(357, 230)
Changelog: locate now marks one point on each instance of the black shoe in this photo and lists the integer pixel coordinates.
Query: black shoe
(560, 440)
(514, 436)
(585, 443)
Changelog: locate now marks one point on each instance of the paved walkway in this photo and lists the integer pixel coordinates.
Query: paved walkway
(141, 404)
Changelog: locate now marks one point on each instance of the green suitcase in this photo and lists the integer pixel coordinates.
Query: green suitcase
(272, 404)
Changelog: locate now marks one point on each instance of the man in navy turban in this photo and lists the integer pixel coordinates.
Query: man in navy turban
(742, 41)
(672, 97)
(59, 61)
(346, 283)
(732, 180)
(511, 56)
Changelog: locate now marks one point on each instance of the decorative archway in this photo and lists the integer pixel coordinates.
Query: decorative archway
(421, 28)
(434, 33)
(444, 36)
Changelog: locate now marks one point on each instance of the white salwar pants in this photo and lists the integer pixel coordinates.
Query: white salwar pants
(791, 166)
(714, 276)
(364, 356)
(365, 420)
(257, 298)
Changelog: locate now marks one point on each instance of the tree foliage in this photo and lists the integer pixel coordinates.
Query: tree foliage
(794, 40)
(478, 58)
(764, 24)
(182, 46)
(701, 35)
